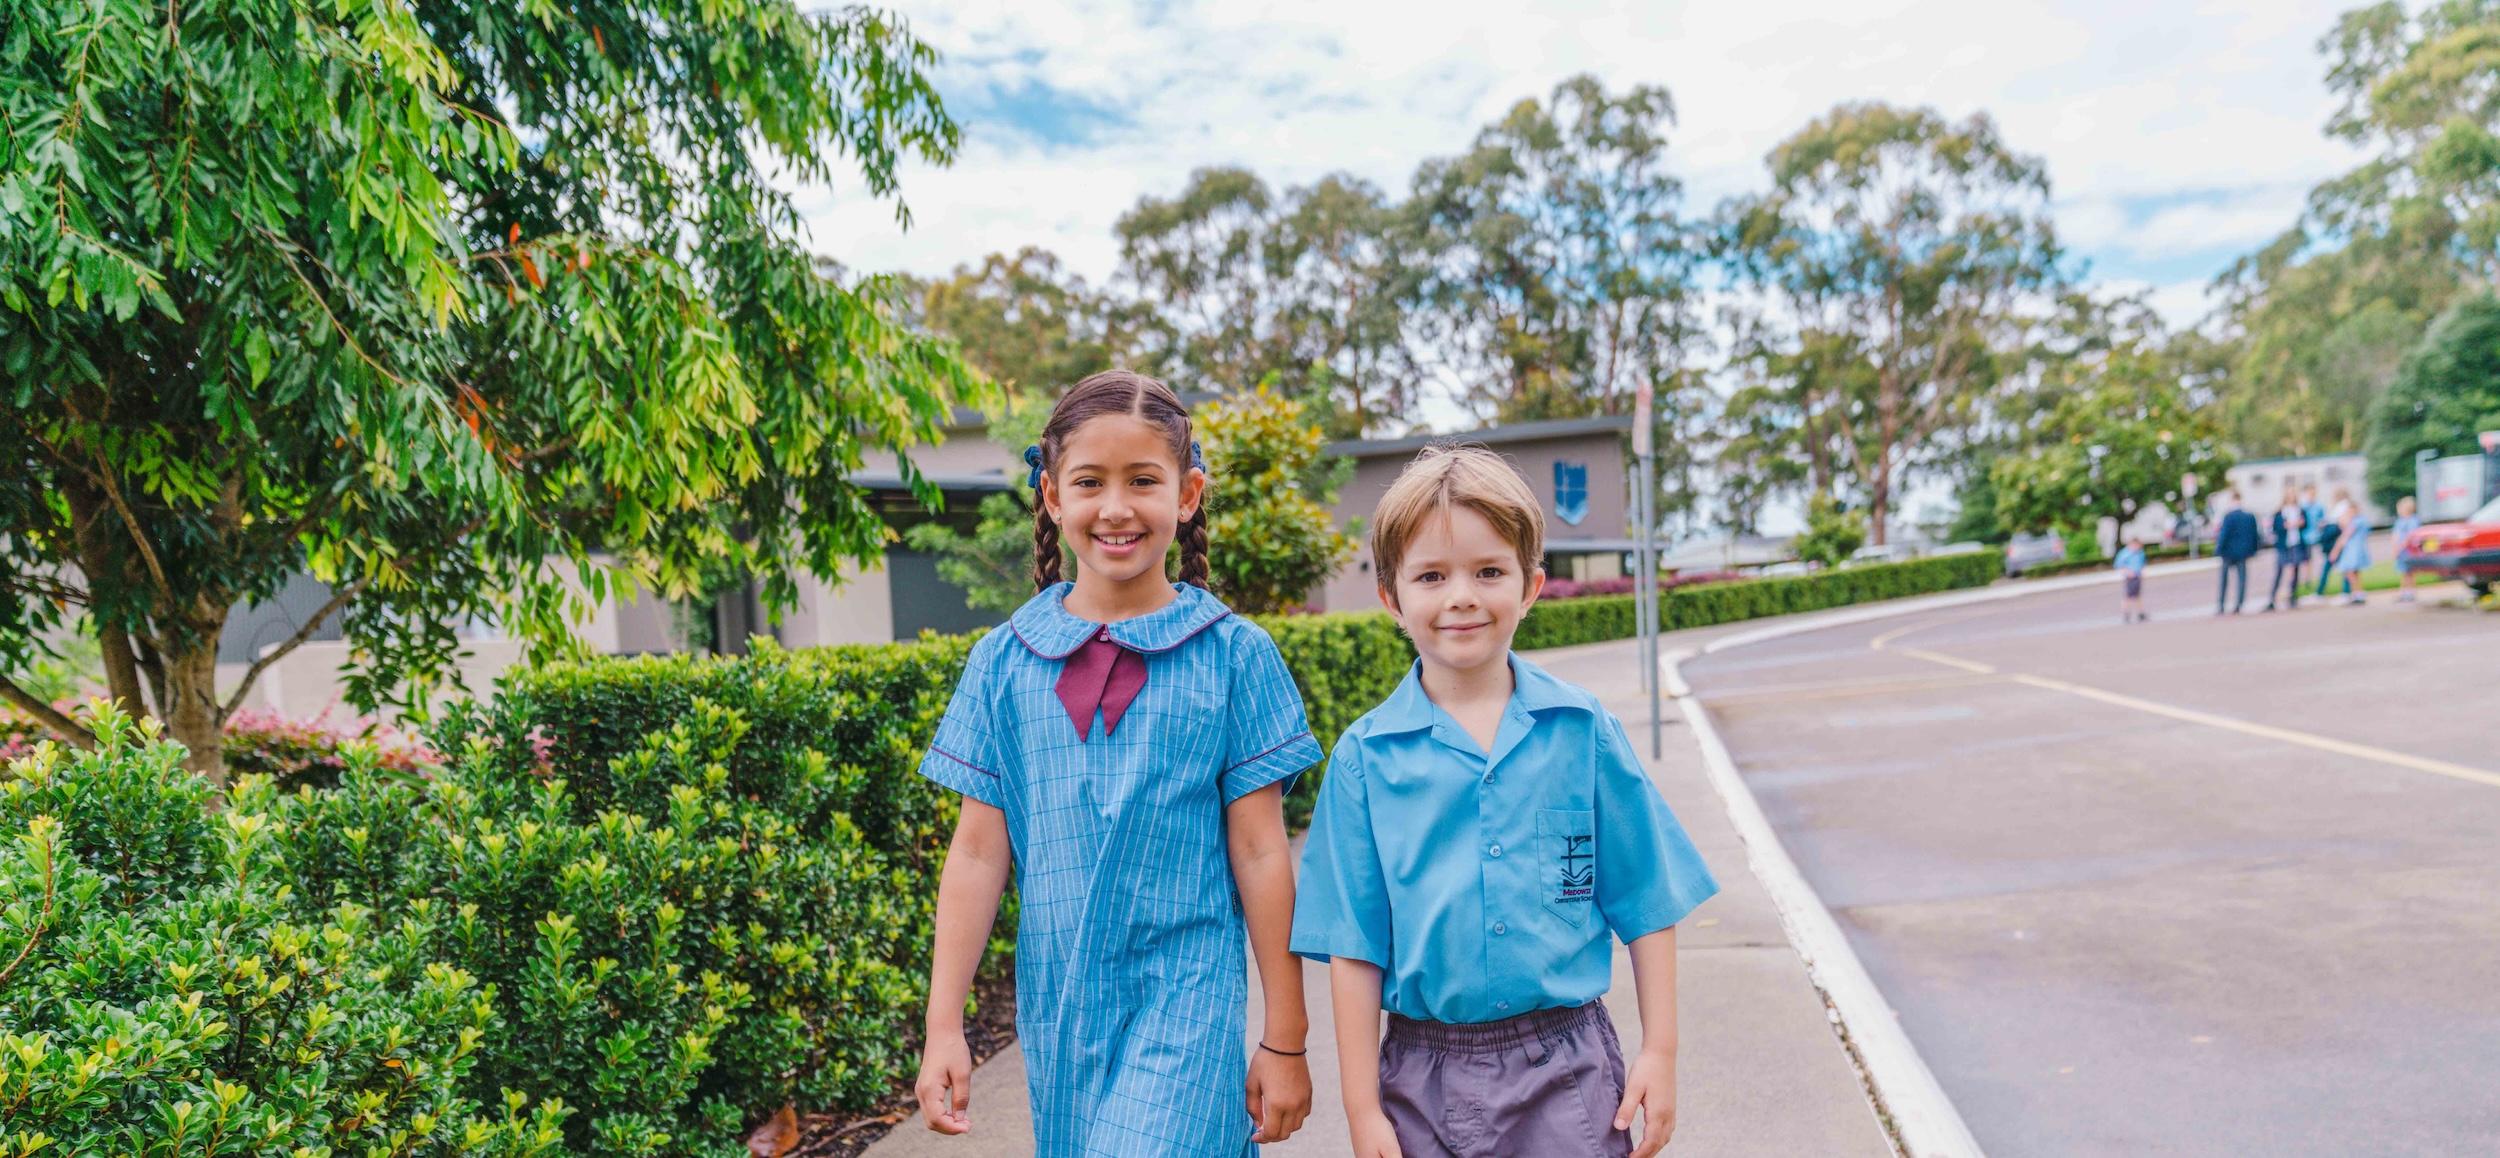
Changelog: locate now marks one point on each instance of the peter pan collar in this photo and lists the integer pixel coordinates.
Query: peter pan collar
(1409, 709)
(1046, 626)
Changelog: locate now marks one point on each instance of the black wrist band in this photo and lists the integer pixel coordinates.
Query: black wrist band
(1283, 1053)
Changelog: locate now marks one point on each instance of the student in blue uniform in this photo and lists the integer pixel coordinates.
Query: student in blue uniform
(1481, 840)
(1124, 743)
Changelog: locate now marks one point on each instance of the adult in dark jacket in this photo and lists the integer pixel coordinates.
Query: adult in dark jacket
(2235, 543)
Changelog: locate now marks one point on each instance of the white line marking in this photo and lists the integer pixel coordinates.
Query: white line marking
(1927, 1123)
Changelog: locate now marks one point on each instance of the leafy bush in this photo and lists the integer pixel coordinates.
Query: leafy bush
(290, 752)
(1344, 664)
(698, 886)
(1623, 585)
(1832, 531)
(162, 993)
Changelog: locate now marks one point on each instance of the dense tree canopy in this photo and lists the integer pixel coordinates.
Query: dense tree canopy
(421, 297)
(2446, 394)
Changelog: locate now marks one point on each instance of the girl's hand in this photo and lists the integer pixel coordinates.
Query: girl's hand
(1279, 1095)
(945, 1085)
(1373, 1136)
(1649, 1084)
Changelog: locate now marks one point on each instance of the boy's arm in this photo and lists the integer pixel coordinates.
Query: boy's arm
(1649, 1085)
(1354, 1000)
(1262, 859)
(978, 861)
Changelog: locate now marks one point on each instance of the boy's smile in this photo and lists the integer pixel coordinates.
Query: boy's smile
(1461, 590)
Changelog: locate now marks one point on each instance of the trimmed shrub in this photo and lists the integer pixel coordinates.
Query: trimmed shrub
(291, 752)
(162, 993)
(698, 886)
(1594, 619)
(1344, 664)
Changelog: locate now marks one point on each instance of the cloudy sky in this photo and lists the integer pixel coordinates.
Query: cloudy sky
(2179, 134)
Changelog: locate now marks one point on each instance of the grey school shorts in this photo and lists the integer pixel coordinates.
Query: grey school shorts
(1539, 1085)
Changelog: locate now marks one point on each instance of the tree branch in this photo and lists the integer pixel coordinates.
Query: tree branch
(338, 599)
(46, 714)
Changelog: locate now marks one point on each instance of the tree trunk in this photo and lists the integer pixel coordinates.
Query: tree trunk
(1878, 504)
(193, 716)
(121, 671)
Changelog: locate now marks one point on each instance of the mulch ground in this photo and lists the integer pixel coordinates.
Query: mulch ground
(990, 1030)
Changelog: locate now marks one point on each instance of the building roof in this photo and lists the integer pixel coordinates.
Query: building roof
(2297, 458)
(886, 480)
(1490, 436)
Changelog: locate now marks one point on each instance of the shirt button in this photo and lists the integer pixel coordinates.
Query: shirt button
(1497, 851)
(1500, 928)
(1501, 1005)
(1488, 778)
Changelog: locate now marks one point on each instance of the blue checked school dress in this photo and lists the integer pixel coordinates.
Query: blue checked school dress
(1113, 749)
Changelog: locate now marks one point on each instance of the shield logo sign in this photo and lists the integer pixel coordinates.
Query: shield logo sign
(1571, 491)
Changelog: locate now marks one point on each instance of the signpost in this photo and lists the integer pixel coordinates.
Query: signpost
(1645, 584)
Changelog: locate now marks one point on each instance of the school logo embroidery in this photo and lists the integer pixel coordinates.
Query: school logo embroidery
(1578, 881)
(1571, 491)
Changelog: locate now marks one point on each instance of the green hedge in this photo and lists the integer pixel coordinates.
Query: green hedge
(164, 990)
(1593, 619)
(700, 888)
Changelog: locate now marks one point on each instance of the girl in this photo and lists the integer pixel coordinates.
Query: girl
(2353, 556)
(1120, 742)
(2407, 522)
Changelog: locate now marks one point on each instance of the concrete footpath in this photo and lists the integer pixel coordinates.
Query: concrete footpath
(1760, 1070)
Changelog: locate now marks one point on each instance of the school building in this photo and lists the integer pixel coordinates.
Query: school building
(1576, 466)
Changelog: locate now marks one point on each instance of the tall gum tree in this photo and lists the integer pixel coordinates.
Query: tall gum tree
(420, 297)
(1894, 263)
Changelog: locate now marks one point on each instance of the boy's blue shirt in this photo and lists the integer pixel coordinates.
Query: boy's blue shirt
(2130, 559)
(1487, 885)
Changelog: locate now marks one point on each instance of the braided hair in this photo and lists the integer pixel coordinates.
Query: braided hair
(1115, 392)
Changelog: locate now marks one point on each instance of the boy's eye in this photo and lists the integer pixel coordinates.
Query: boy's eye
(1489, 573)
(1427, 577)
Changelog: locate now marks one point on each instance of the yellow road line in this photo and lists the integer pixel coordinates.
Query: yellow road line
(2227, 723)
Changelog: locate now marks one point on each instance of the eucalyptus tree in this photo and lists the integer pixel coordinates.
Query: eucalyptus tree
(434, 300)
(1895, 263)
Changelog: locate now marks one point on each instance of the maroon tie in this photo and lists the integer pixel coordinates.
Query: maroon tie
(1101, 674)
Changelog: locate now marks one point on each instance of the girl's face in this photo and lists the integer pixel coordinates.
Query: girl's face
(1119, 497)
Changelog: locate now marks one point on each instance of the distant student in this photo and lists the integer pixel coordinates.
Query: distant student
(2353, 557)
(2130, 566)
(2326, 530)
(1481, 840)
(2407, 522)
(2291, 552)
(2235, 542)
(1122, 743)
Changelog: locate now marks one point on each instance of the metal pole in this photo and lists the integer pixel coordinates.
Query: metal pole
(1649, 591)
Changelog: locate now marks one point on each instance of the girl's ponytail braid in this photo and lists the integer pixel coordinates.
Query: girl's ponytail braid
(1194, 549)
(1045, 547)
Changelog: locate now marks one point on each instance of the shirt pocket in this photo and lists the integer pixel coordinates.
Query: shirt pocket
(1566, 849)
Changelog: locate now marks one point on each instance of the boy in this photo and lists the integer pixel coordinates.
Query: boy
(1477, 839)
(2130, 566)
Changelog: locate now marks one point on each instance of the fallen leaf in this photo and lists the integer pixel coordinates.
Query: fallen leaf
(776, 1136)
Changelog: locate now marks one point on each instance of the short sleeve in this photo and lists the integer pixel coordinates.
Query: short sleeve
(1266, 738)
(1649, 875)
(964, 754)
(1341, 903)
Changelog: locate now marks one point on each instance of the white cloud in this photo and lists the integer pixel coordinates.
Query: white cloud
(2172, 132)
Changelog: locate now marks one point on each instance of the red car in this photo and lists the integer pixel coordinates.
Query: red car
(2468, 550)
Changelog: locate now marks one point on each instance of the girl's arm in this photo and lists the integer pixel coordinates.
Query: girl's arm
(977, 863)
(1651, 1078)
(1354, 999)
(1254, 835)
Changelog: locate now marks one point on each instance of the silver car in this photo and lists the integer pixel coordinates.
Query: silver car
(2024, 552)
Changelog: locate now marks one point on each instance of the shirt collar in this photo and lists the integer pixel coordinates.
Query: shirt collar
(1051, 631)
(1409, 709)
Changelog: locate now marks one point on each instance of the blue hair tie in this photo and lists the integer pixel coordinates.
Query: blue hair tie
(1197, 459)
(1033, 458)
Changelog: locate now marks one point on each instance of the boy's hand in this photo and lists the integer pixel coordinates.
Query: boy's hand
(945, 1085)
(1650, 1085)
(1373, 1136)
(1279, 1095)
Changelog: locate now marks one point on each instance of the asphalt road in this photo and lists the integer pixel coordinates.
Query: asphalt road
(2194, 886)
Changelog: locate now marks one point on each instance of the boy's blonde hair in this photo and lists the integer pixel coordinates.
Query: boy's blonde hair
(1455, 475)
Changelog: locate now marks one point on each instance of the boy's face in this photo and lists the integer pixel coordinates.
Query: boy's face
(1460, 591)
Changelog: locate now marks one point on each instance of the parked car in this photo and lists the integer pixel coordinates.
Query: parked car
(2024, 552)
(1965, 547)
(2468, 550)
